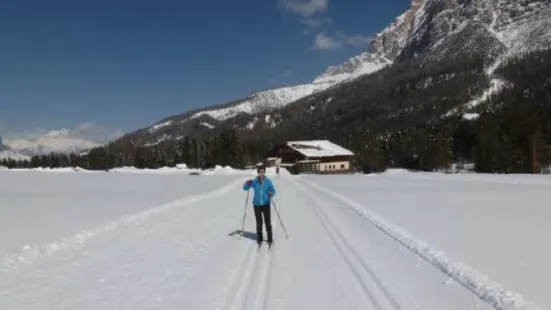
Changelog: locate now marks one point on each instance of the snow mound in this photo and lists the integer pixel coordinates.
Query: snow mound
(179, 169)
(48, 169)
(395, 171)
(479, 284)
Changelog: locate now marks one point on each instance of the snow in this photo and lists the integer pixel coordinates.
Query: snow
(319, 148)
(7, 154)
(471, 116)
(163, 240)
(53, 141)
(263, 101)
(252, 123)
(156, 127)
(361, 67)
(208, 125)
(159, 139)
(492, 228)
(496, 85)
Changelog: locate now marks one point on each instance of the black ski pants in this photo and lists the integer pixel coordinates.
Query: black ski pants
(260, 211)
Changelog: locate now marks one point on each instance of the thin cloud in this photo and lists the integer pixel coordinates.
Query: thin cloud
(323, 41)
(317, 21)
(306, 8)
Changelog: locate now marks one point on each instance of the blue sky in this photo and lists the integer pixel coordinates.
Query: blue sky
(122, 65)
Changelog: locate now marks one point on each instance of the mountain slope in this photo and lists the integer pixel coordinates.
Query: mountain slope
(429, 33)
(383, 49)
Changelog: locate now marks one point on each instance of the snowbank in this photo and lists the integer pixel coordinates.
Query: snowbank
(183, 169)
(492, 292)
(47, 169)
(395, 171)
(513, 178)
(179, 169)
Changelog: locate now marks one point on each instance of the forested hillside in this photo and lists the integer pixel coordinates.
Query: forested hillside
(398, 117)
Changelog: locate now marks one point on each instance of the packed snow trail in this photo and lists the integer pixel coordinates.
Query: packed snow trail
(187, 255)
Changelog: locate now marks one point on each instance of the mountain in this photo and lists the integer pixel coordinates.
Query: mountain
(382, 51)
(6, 152)
(431, 33)
(58, 141)
(9, 154)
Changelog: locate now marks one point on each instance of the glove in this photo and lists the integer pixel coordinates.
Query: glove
(270, 194)
(249, 182)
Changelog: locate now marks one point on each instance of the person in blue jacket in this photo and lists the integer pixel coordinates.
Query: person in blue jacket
(263, 192)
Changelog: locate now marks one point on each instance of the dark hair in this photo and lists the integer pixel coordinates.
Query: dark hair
(262, 167)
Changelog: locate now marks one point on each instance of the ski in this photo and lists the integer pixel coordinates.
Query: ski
(260, 245)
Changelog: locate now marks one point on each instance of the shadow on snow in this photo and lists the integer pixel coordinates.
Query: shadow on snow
(244, 234)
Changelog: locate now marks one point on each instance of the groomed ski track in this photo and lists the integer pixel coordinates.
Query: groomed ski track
(187, 255)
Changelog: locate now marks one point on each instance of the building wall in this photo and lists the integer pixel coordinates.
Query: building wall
(333, 166)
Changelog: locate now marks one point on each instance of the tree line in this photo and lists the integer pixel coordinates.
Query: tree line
(225, 150)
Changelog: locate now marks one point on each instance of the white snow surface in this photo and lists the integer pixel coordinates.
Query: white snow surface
(493, 229)
(164, 239)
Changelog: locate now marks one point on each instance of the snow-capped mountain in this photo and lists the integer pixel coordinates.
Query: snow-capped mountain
(431, 30)
(9, 154)
(6, 152)
(383, 49)
(451, 28)
(59, 141)
(381, 53)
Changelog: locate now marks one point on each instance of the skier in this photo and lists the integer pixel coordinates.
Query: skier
(277, 170)
(263, 192)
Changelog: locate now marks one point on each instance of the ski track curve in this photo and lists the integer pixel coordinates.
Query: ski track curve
(493, 293)
(31, 253)
(149, 264)
(367, 282)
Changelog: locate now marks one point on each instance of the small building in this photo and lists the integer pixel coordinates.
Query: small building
(317, 156)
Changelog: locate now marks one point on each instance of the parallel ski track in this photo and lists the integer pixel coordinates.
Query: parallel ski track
(495, 294)
(252, 287)
(351, 258)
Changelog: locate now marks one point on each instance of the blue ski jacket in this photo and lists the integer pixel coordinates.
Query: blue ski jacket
(261, 191)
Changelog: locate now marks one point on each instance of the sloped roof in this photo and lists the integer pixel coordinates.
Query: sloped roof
(318, 148)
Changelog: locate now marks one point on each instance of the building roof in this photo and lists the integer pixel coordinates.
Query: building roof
(319, 148)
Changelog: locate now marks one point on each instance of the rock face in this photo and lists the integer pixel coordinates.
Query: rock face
(430, 31)
(455, 28)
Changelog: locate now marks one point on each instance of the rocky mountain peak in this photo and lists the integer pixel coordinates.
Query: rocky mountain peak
(382, 51)
(429, 31)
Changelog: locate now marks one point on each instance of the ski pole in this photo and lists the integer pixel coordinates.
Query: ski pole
(245, 214)
(280, 221)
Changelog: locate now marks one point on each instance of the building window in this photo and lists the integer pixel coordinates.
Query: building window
(342, 166)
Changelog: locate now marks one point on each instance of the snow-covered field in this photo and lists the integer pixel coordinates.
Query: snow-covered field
(130, 239)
